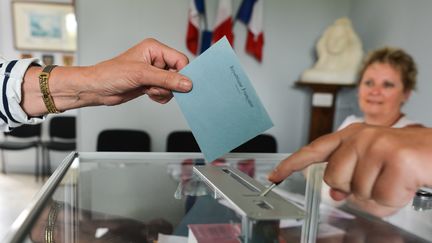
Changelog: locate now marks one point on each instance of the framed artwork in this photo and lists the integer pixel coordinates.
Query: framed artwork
(44, 26)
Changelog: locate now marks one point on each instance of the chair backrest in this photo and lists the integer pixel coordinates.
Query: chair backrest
(25, 131)
(182, 141)
(262, 143)
(123, 140)
(63, 127)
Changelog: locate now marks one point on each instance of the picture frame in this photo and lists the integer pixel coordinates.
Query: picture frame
(44, 26)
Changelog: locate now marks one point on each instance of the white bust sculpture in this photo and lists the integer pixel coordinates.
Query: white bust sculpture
(340, 55)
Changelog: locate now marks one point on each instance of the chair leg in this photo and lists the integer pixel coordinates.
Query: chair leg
(37, 163)
(3, 162)
(48, 162)
(43, 165)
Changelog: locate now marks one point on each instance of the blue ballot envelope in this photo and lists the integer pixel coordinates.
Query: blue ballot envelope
(223, 110)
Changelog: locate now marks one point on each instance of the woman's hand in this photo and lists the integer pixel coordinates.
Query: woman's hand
(149, 67)
(386, 165)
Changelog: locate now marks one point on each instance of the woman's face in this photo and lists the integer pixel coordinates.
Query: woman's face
(381, 91)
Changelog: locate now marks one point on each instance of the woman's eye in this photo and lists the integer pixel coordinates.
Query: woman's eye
(368, 83)
(388, 85)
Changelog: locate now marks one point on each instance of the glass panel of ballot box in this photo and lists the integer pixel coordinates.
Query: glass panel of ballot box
(179, 197)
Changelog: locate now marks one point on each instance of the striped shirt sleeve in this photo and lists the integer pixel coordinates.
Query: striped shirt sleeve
(11, 76)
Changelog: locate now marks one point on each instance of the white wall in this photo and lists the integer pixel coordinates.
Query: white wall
(291, 28)
(6, 39)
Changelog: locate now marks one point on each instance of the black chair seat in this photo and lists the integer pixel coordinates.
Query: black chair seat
(262, 143)
(11, 145)
(59, 146)
(62, 132)
(27, 137)
(122, 140)
(182, 141)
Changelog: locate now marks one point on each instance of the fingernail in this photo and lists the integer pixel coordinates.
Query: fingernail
(185, 85)
(272, 174)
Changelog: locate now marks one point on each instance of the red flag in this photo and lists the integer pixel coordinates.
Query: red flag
(224, 23)
(254, 45)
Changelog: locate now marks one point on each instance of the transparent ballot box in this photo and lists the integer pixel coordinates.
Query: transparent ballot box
(178, 197)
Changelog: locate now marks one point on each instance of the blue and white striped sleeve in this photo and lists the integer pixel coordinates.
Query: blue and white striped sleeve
(11, 76)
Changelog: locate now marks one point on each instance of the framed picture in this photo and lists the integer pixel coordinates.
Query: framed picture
(44, 26)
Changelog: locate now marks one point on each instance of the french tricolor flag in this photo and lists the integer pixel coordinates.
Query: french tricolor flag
(198, 38)
(196, 11)
(224, 22)
(251, 14)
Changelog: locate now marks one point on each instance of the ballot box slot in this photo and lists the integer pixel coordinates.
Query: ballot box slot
(242, 193)
(263, 204)
(240, 180)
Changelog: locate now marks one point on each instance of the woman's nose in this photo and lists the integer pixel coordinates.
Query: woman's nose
(375, 89)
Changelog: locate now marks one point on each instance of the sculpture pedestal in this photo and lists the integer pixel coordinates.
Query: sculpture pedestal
(322, 107)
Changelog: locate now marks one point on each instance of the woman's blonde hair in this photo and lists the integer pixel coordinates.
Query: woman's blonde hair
(399, 60)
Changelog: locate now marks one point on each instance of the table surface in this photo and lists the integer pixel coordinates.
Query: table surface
(133, 197)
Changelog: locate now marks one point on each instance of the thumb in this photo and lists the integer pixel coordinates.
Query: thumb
(169, 80)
